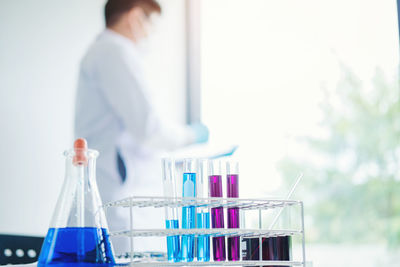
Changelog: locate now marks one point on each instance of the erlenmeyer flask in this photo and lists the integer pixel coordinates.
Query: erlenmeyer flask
(78, 231)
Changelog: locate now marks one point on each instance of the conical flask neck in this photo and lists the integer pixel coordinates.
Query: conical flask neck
(81, 169)
(79, 204)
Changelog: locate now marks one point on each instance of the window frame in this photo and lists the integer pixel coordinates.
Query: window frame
(193, 61)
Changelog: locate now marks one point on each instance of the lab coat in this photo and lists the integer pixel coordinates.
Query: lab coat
(115, 113)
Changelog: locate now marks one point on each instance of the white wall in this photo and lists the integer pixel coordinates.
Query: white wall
(166, 61)
(41, 43)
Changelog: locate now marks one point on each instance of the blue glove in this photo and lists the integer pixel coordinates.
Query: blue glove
(200, 131)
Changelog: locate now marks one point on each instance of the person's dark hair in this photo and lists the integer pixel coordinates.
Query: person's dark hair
(115, 8)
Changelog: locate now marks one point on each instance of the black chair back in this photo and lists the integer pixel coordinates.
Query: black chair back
(16, 249)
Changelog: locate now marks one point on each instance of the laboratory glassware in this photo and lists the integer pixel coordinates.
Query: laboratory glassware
(251, 249)
(188, 213)
(78, 231)
(251, 205)
(217, 214)
(203, 213)
(171, 213)
(278, 248)
(232, 184)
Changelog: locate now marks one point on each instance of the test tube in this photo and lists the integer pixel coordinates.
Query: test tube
(251, 249)
(279, 248)
(171, 214)
(232, 183)
(188, 213)
(217, 214)
(203, 213)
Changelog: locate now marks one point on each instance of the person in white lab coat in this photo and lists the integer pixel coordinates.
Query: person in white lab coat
(115, 113)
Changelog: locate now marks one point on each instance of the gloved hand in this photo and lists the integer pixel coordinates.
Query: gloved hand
(200, 131)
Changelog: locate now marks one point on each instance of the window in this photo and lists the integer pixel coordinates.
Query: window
(311, 86)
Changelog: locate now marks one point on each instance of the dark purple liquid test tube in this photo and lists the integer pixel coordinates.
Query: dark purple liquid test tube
(233, 213)
(217, 214)
(277, 249)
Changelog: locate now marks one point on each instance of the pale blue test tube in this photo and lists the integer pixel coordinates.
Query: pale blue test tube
(171, 213)
(188, 213)
(203, 213)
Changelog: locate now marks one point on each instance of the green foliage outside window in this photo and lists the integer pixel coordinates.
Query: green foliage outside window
(352, 180)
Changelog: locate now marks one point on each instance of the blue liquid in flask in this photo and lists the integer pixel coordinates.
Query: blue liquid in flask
(76, 245)
(203, 241)
(173, 247)
(188, 218)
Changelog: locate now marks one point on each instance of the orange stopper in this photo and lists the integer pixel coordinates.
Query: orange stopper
(80, 148)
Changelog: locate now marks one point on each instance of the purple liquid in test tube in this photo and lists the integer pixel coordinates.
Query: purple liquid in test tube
(233, 213)
(217, 214)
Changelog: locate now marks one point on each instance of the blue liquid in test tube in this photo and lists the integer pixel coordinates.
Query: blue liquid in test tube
(203, 213)
(188, 213)
(173, 241)
(171, 213)
(203, 241)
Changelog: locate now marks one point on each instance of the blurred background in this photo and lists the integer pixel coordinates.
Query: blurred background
(301, 86)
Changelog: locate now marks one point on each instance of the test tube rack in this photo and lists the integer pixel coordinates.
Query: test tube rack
(243, 204)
